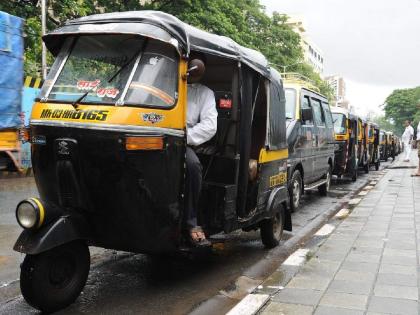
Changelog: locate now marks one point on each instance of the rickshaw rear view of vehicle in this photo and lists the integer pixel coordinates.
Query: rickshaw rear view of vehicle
(346, 136)
(363, 145)
(390, 145)
(109, 141)
(382, 145)
(374, 147)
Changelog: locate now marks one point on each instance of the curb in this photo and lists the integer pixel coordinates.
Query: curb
(229, 302)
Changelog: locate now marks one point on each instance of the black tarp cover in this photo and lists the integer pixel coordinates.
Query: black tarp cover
(162, 26)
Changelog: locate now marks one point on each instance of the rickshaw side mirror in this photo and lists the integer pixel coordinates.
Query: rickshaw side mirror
(307, 114)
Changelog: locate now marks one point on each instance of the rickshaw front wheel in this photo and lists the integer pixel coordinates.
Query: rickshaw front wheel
(53, 280)
(271, 230)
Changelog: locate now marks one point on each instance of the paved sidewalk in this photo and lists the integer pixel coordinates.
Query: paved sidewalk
(365, 262)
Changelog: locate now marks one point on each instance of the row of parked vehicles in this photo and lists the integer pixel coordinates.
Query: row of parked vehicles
(361, 144)
(108, 137)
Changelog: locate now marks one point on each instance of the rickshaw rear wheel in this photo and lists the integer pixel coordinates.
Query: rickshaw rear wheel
(377, 164)
(366, 167)
(53, 280)
(354, 176)
(271, 230)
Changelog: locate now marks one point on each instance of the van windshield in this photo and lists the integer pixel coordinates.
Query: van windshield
(127, 69)
(339, 123)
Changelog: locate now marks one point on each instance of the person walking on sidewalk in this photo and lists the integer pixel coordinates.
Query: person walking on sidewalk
(418, 149)
(407, 137)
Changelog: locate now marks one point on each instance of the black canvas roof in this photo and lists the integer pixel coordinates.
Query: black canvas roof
(162, 26)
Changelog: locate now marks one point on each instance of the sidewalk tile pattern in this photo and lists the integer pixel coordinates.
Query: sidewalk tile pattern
(369, 263)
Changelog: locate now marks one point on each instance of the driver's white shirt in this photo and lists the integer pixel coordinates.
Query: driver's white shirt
(201, 114)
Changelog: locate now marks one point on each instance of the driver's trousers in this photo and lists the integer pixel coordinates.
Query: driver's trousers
(192, 188)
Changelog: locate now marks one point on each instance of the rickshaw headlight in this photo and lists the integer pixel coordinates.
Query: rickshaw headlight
(30, 213)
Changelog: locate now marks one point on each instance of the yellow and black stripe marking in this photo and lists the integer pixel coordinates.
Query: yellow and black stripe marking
(33, 82)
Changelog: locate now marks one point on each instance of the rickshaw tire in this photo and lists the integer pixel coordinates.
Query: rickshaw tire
(354, 176)
(377, 164)
(366, 167)
(267, 232)
(37, 271)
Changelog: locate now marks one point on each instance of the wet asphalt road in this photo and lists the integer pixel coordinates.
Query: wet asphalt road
(139, 284)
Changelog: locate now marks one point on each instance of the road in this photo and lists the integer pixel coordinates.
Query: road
(139, 284)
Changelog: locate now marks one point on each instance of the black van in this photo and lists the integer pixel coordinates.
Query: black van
(310, 136)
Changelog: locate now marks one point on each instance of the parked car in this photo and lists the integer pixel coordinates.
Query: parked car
(310, 136)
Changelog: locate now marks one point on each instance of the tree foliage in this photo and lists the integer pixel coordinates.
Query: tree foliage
(242, 20)
(401, 105)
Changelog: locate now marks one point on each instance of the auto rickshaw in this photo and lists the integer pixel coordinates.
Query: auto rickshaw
(374, 138)
(397, 145)
(346, 132)
(382, 145)
(363, 144)
(390, 145)
(108, 135)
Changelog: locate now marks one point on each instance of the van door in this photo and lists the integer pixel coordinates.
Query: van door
(321, 143)
(307, 142)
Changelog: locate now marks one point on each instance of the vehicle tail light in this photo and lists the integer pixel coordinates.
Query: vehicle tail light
(143, 143)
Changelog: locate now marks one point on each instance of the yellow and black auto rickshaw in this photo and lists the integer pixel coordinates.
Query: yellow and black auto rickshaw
(346, 129)
(363, 145)
(374, 138)
(108, 135)
(382, 146)
(390, 145)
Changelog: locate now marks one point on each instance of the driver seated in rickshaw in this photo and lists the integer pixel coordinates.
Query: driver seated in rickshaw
(201, 127)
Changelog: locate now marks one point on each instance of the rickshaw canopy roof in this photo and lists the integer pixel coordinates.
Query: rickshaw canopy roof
(161, 26)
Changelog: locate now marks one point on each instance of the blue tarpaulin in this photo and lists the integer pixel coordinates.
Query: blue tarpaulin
(11, 70)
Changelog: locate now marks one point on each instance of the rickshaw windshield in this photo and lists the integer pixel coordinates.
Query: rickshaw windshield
(290, 103)
(339, 123)
(127, 69)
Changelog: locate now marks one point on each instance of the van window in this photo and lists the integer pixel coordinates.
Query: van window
(327, 114)
(306, 104)
(290, 103)
(318, 116)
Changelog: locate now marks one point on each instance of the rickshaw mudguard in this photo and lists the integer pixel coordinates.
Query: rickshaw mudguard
(63, 230)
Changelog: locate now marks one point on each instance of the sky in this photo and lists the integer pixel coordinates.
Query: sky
(373, 44)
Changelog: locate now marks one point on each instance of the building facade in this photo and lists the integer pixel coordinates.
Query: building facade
(312, 53)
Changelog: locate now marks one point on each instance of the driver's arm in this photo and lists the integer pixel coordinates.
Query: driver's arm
(206, 128)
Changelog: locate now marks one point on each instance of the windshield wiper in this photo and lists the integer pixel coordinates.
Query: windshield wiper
(74, 104)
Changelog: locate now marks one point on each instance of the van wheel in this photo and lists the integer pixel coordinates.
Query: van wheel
(295, 190)
(52, 280)
(325, 188)
(271, 230)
